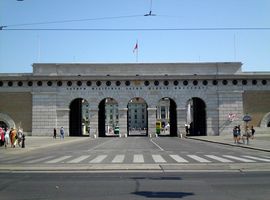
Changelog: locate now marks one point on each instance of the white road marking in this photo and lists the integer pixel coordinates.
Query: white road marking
(58, 159)
(238, 158)
(158, 159)
(118, 159)
(157, 145)
(178, 159)
(39, 160)
(224, 160)
(199, 159)
(98, 159)
(256, 158)
(79, 159)
(138, 158)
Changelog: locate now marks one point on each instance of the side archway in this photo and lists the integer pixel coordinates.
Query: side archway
(196, 117)
(79, 124)
(6, 120)
(265, 121)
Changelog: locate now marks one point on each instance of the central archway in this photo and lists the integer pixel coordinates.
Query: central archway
(196, 117)
(137, 117)
(79, 124)
(166, 124)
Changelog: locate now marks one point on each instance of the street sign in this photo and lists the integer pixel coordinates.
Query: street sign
(247, 118)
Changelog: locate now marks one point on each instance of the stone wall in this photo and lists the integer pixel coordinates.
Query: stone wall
(18, 106)
(256, 104)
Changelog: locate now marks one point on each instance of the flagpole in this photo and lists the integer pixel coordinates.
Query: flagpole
(137, 52)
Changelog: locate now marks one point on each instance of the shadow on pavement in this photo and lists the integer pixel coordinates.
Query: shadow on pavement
(150, 194)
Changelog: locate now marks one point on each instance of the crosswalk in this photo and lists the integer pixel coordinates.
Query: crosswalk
(143, 158)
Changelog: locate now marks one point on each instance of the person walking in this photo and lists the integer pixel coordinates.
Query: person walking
(54, 133)
(252, 132)
(19, 136)
(2, 136)
(235, 135)
(6, 137)
(62, 133)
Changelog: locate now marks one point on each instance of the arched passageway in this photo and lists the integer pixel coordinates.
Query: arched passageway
(79, 124)
(166, 124)
(137, 121)
(3, 125)
(196, 117)
(108, 118)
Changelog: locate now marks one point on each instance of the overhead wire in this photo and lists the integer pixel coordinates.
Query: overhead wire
(143, 29)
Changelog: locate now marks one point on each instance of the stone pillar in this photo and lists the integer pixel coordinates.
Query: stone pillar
(212, 121)
(181, 120)
(63, 120)
(152, 121)
(93, 113)
(122, 121)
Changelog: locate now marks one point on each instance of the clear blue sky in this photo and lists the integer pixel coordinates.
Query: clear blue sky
(20, 49)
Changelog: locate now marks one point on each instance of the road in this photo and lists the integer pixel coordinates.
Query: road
(132, 186)
(137, 153)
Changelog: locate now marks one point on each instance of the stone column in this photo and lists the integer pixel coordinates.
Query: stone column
(212, 121)
(181, 120)
(93, 113)
(152, 121)
(122, 121)
(63, 119)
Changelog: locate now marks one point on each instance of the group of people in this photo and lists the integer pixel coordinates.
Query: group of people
(13, 137)
(249, 133)
(62, 133)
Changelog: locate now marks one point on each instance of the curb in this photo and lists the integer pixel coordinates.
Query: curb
(228, 144)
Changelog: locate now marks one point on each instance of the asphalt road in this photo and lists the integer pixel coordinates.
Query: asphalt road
(123, 186)
(163, 154)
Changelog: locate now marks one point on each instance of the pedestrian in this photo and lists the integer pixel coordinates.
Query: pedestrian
(235, 135)
(252, 132)
(54, 133)
(23, 140)
(62, 133)
(2, 136)
(19, 136)
(6, 137)
(13, 137)
(238, 130)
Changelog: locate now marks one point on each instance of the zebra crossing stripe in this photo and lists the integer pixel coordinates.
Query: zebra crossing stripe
(199, 159)
(118, 159)
(224, 160)
(178, 159)
(138, 158)
(58, 159)
(256, 158)
(98, 159)
(79, 159)
(38, 160)
(158, 159)
(238, 158)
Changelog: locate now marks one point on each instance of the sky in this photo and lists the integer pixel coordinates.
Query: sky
(87, 43)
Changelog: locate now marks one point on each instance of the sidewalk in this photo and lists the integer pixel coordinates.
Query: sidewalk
(260, 142)
(38, 142)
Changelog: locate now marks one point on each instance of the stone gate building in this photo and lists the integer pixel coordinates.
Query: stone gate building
(99, 99)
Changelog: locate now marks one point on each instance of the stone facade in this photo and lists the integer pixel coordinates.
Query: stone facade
(45, 95)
